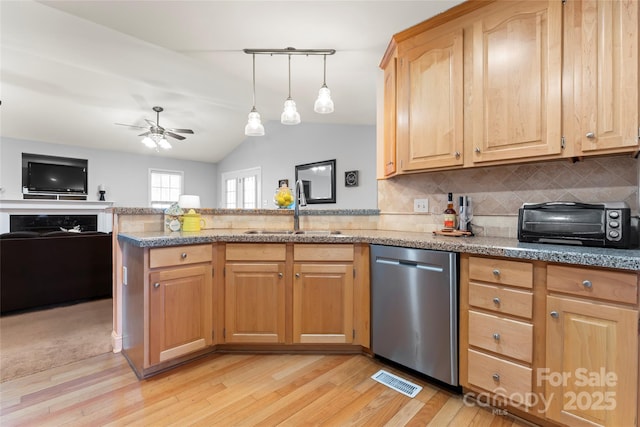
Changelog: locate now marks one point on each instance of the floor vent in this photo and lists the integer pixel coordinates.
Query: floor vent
(398, 384)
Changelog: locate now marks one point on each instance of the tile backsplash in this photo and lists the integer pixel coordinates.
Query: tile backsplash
(498, 191)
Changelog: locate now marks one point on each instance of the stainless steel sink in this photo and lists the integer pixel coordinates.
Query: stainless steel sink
(268, 232)
(318, 232)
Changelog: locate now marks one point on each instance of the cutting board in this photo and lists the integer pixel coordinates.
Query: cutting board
(454, 233)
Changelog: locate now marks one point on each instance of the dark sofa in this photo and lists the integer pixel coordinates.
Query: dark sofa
(38, 270)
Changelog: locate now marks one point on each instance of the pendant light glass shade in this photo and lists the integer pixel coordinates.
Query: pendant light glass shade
(290, 115)
(156, 140)
(324, 104)
(254, 124)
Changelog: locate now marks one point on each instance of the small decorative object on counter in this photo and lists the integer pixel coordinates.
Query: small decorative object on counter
(283, 197)
(450, 214)
(172, 217)
(192, 221)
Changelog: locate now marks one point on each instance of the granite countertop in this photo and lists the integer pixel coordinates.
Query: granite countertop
(625, 259)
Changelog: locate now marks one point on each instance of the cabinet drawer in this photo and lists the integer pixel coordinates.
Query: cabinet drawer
(501, 271)
(500, 377)
(179, 255)
(501, 300)
(256, 251)
(618, 286)
(323, 252)
(503, 336)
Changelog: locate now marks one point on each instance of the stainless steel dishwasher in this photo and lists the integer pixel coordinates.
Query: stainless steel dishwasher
(414, 295)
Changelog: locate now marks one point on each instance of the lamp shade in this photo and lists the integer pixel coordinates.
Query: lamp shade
(186, 201)
(324, 104)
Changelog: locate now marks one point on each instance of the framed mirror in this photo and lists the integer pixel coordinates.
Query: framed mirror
(318, 180)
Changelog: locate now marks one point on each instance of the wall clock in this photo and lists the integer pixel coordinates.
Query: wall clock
(351, 179)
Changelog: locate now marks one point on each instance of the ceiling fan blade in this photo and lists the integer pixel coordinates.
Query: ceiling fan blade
(145, 134)
(131, 126)
(180, 130)
(174, 135)
(151, 122)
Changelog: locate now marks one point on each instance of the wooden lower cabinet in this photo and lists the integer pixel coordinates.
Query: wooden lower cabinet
(323, 303)
(179, 312)
(562, 352)
(254, 302)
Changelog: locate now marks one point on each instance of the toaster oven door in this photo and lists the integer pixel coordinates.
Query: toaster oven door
(565, 223)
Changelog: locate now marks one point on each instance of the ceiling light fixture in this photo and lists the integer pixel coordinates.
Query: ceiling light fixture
(324, 103)
(290, 115)
(254, 125)
(156, 140)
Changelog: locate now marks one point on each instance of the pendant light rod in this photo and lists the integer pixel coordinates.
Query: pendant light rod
(324, 75)
(254, 81)
(289, 77)
(289, 51)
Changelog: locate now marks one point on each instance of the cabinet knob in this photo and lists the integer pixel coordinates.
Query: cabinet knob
(590, 135)
(496, 301)
(496, 377)
(477, 150)
(183, 255)
(587, 283)
(457, 154)
(280, 275)
(297, 275)
(156, 285)
(496, 336)
(554, 314)
(496, 272)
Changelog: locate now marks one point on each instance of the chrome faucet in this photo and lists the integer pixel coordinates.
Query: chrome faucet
(300, 200)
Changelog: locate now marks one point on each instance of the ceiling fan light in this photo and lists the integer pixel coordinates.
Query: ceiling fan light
(164, 144)
(290, 115)
(148, 142)
(324, 104)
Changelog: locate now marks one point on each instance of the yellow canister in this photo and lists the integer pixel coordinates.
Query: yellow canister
(192, 221)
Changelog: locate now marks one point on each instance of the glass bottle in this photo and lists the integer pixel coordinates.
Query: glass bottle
(450, 214)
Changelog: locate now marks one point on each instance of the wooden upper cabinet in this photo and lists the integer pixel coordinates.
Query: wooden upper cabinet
(517, 60)
(388, 151)
(430, 101)
(607, 75)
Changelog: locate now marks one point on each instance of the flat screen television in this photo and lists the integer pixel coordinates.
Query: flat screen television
(56, 178)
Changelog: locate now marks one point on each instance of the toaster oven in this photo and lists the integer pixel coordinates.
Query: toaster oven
(587, 224)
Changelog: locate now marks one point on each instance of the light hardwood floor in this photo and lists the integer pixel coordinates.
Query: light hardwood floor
(232, 390)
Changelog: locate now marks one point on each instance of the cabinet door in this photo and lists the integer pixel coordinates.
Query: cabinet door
(517, 59)
(255, 302)
(180, 319)
(389, 129)
(323, 303)
(608, 95)
(430, 102)
(592, 363)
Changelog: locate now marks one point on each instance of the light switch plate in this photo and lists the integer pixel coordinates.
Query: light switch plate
(421, 205)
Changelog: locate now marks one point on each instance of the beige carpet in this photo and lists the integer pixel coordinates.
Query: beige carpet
(36, 341)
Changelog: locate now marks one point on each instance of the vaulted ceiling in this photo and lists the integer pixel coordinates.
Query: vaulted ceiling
(70, 70)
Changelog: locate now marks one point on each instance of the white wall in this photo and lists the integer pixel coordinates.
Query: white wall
(124, 175)
(283, 147)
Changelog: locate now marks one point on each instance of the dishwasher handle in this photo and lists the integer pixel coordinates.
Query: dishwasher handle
(410, 264)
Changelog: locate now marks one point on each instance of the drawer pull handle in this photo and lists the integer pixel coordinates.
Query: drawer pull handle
(280, 275)
(554, 314)
(297, 275)
(496, 336)
(156, 285)
(587, 283)
(496, 301)
(496, 272)
(496, 377)
(590, 135)
(183, 255)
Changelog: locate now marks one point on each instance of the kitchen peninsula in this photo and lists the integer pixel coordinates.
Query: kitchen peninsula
(217, 272)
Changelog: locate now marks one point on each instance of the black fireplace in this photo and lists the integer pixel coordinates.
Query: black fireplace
(47, 223)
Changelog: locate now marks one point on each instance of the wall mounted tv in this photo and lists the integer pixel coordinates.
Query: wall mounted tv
(56, 178)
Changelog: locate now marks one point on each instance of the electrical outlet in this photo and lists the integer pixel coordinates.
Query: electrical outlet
(421, 205)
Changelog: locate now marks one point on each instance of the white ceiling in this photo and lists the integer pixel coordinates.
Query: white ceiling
(70, 70)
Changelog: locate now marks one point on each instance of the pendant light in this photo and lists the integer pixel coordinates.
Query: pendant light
(254, 125)
(324, 104)
(290, 115)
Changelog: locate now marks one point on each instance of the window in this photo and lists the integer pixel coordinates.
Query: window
(241, 189)
(165, 187)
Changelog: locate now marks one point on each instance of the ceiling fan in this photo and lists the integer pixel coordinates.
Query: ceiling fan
(155, 136)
